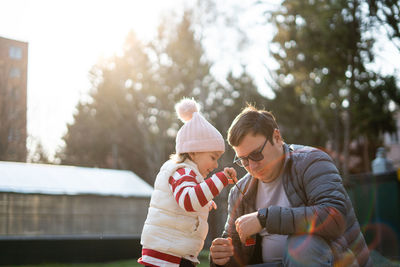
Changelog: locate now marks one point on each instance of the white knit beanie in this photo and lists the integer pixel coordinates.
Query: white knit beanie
(197, 134)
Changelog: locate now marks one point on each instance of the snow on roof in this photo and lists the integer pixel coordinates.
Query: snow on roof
(70, 180)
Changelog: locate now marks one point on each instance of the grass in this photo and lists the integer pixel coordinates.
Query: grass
(203, 257)
(124, 263)
(378, 260)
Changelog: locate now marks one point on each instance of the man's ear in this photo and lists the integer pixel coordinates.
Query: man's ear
(277, 136)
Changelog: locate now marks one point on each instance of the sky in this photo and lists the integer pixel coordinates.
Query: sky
(67, 37)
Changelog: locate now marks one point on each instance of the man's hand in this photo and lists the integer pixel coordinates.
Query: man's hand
(247, 225)
(221, 250)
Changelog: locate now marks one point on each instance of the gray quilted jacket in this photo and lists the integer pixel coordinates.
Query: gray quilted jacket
(319, 205)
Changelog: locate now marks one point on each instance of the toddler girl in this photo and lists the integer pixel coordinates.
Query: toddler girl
(176, 224)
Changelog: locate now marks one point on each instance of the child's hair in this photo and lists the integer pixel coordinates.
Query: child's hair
(179, 158)
(197, 134)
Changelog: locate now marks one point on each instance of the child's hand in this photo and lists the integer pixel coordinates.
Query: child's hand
(213, 205)
(231, 174)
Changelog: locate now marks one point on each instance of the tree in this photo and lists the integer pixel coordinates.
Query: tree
(130, 121)
(37, 153)
(386, 13)
(322, 54)
(107, 130)
(181, 71)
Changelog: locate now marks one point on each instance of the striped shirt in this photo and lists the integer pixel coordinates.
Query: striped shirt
(190, 196)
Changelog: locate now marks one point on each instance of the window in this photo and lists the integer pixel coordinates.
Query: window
(15, 72)
(15, 52)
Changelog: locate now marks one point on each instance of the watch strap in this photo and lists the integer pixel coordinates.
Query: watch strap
(262, 216)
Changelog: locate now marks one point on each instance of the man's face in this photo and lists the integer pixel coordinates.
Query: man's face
(268, 168)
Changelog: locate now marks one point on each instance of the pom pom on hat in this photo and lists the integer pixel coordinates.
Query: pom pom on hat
(197, 134)
(185, 109)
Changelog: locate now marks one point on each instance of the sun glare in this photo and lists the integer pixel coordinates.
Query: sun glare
(66, 39)
(108, 22)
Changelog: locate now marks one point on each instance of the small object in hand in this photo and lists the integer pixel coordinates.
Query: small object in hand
(238, 188)
(212, 205)
(251, 241)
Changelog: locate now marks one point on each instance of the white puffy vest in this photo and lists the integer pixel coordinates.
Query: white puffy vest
(169, 228)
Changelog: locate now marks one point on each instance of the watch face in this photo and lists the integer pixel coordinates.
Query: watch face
(262, 212)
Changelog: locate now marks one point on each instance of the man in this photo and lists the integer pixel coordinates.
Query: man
(291, 209)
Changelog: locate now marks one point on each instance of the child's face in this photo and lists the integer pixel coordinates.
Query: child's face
(206, 161)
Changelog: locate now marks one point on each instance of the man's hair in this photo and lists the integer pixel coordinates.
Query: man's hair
(251, 120)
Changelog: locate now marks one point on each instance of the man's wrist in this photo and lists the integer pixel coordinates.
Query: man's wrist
(262, 216)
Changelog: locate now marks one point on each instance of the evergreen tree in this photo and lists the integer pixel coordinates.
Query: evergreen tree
(130, 121)
(107, 130)
(37, 153)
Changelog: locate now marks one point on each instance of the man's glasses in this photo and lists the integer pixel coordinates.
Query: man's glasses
(254, 156)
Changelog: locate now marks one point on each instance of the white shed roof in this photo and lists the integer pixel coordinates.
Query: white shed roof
(70, 180)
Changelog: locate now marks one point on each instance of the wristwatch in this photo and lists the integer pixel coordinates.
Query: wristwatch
(262, 216)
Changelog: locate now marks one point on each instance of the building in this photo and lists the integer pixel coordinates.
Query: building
(58, 209)
(13, 99)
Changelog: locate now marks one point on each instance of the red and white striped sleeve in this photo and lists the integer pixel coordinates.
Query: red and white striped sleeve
(192, 196)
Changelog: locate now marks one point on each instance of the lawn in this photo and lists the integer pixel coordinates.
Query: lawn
(203, 257)
(378, 260)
